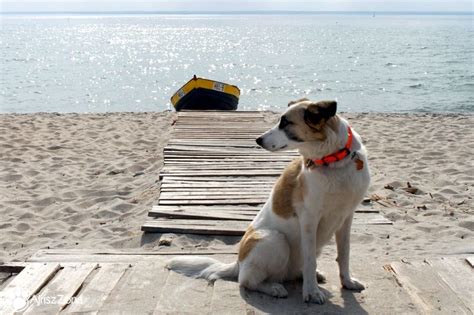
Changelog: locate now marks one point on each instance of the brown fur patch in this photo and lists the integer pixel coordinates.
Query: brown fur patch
(359, 164)
(309, 131)
(248, 242)
(289, 188)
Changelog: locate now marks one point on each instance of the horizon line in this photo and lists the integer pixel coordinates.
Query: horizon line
(242, 12)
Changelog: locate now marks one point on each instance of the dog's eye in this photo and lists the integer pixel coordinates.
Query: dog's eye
(284, 122)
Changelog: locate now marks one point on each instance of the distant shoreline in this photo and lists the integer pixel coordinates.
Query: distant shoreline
(441, 13)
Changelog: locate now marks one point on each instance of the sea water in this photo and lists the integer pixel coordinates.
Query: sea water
(100, 63)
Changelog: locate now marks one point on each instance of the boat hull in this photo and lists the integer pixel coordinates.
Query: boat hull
(204, 99)
(205, 94)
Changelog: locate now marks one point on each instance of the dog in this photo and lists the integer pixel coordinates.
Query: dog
(313, 199)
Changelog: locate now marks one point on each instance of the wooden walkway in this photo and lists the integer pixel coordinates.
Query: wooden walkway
(215, 172)
(136, 282)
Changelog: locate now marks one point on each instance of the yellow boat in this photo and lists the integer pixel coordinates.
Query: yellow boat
(204, 94)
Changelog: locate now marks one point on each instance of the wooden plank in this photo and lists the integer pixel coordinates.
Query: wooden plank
(211, 208)
(262, 197)
(219, 180)
(184, 295)
(209, 151)
(196, 189)
(269, 172)
(172, 193)
(210, 145)
(428, 291)
(366, 218)
(207, 227)
(227, 299)
(221, 167)
(248, 201)
(93, 295)
(470, 260)
(137, 290)
(61, 289)
(228, 158)
(26, 284)
(119, 256)
(200, 214)
(221, 163)
(455, 271)
(235, 208)
(230, 227)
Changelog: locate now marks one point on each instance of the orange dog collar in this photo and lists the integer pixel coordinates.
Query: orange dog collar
(337, 156)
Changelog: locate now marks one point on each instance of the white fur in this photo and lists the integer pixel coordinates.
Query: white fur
(289, 246)
(203, 267)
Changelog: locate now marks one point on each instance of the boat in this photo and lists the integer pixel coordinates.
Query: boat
(205, 94)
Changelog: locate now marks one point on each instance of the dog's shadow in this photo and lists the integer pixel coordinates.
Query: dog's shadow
(346, 303)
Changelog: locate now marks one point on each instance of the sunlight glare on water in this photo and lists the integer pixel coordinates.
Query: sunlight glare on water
(135, 63)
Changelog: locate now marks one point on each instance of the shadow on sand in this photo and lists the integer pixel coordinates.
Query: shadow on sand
(345, 303)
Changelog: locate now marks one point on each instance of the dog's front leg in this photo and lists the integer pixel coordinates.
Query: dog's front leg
(311, 292)
(343, 236)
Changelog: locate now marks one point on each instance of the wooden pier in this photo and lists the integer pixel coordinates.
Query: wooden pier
(215, 172)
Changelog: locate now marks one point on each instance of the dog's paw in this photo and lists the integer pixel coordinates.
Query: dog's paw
(320, 276)
(352, 284)
(314, 295)
(278, 290)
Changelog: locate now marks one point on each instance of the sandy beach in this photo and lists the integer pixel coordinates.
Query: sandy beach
(88, 181)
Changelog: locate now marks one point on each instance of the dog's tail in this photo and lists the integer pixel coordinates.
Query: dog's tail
(204, 267)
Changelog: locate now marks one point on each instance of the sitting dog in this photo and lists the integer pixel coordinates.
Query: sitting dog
(314, 199)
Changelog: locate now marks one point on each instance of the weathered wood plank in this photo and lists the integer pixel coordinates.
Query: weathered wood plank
(455, 271)
(369, 216)
(202, 214)
(270, 172)
(248, 201)
(205, 164)
(201, 189)
(184, 295)
(27, 283)
(430, 293)
(212, 196)
(226, 179)
(138, 289)
(230, 227)
(227, 158)
(207, 227)
(226, 298)
(221, 167)
(470, 261)
(118, 256)
(93, 295)
(61, 289)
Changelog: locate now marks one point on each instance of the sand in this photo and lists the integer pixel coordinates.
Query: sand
(88, 181)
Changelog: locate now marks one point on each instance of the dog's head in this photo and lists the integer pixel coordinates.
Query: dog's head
(303, 122)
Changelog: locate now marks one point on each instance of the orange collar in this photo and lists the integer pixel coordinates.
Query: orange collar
(337, 156)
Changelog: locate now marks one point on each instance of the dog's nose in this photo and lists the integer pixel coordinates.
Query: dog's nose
(259, 141)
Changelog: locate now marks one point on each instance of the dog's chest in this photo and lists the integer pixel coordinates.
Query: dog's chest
(335, 189)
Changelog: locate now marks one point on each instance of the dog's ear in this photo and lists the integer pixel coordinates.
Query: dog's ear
(297, 101)
(316, 114)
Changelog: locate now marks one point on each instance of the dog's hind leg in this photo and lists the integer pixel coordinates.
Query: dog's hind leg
(266, 265)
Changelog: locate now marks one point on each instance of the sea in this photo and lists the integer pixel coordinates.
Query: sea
(134, 62)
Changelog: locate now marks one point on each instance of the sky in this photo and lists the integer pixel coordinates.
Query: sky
(229, 5)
